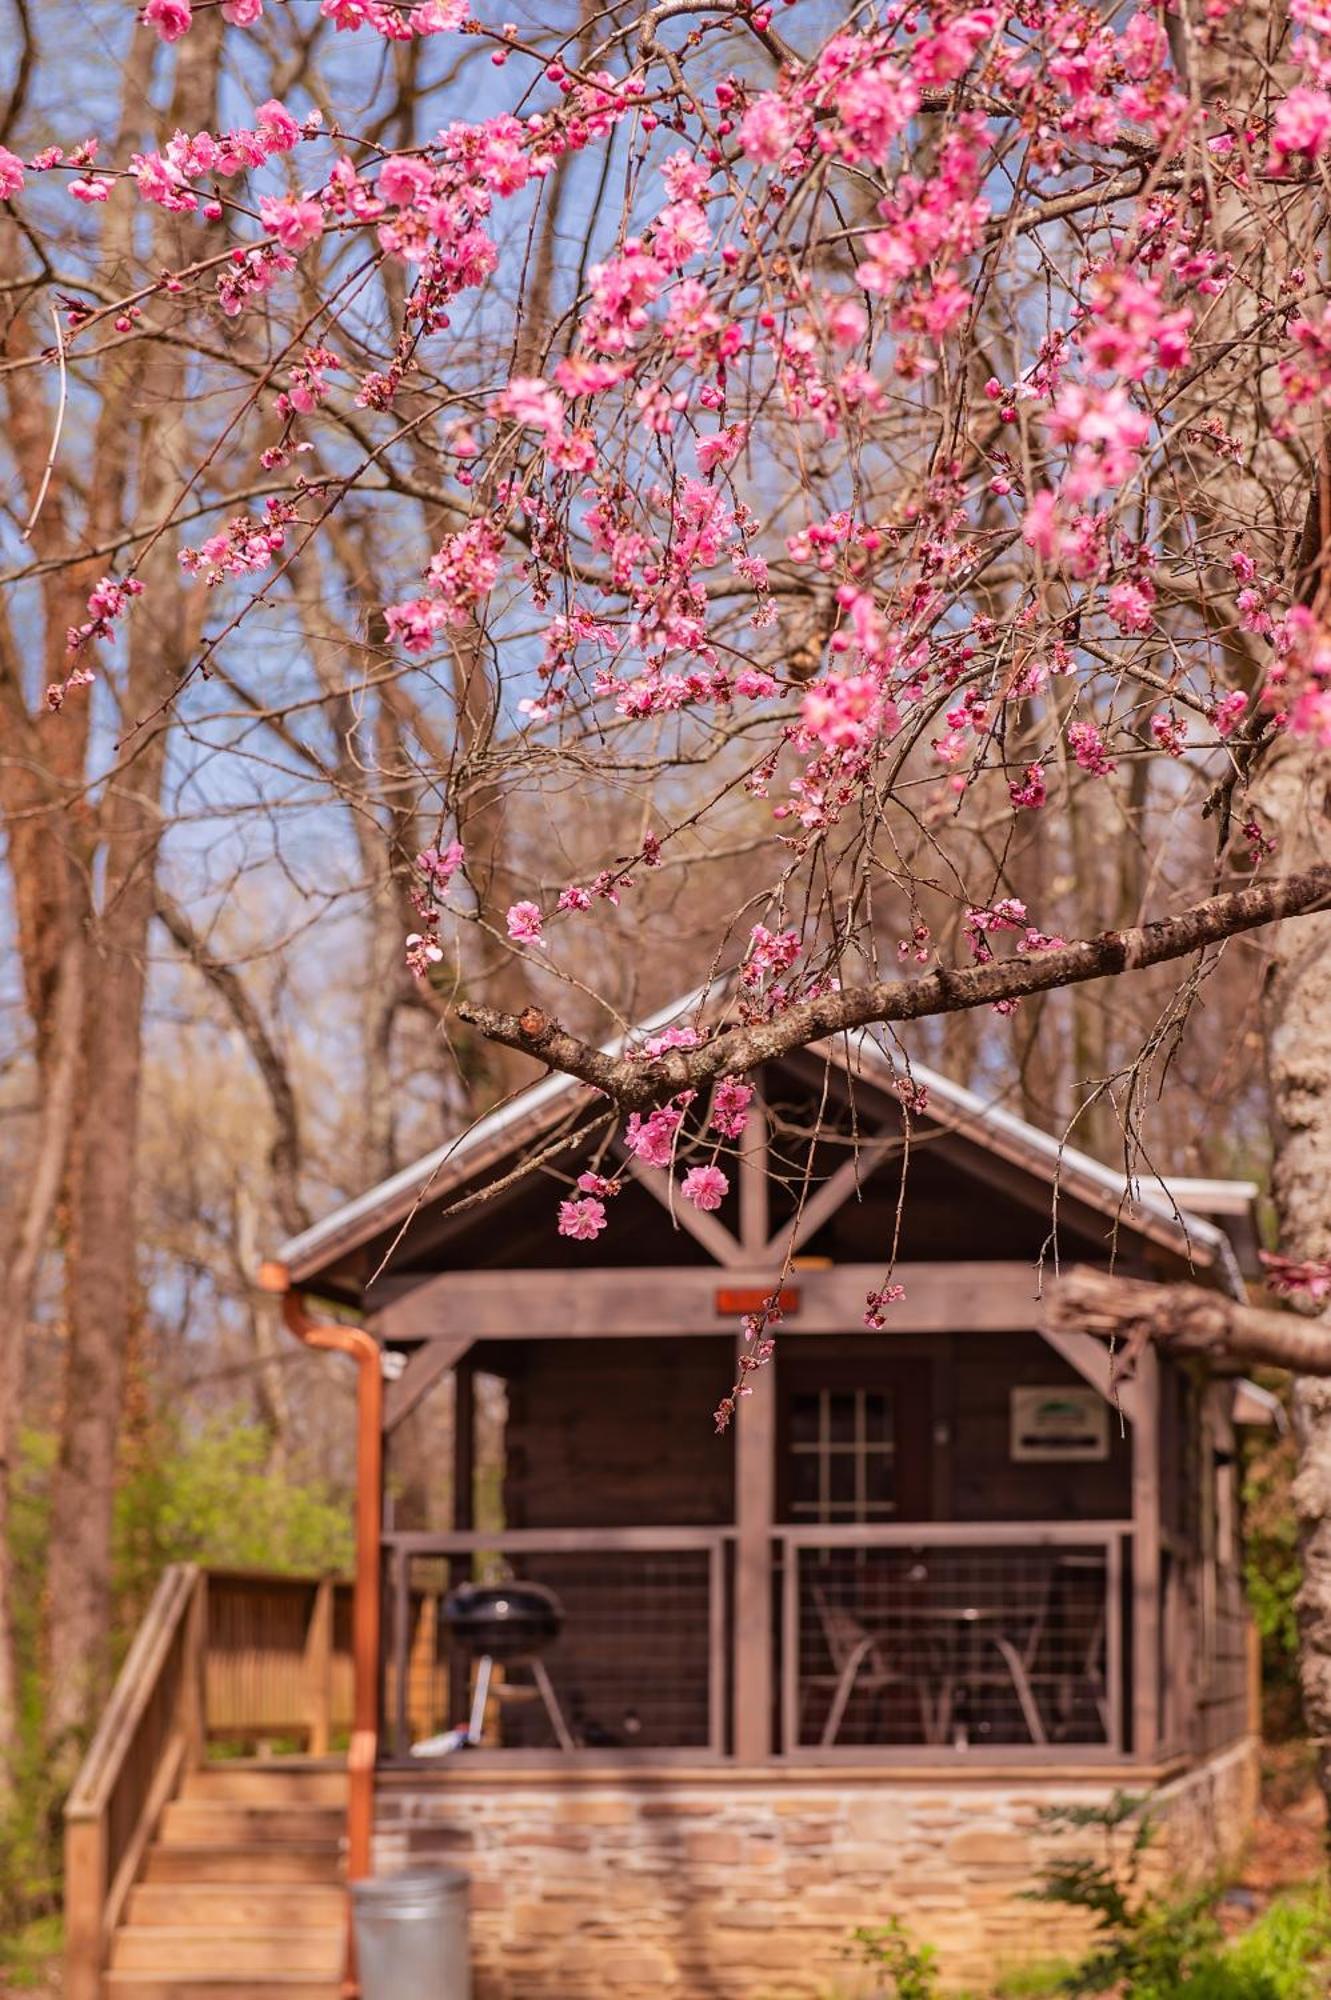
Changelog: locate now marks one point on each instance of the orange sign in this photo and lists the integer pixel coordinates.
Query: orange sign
(738, 1302)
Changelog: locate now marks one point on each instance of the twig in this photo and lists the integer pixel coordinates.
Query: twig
(42, 491)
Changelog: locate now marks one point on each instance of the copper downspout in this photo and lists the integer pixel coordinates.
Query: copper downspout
(364, 1351)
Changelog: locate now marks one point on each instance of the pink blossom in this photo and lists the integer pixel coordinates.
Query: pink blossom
(1302, 125)
(582, 1220)
(1030, 791)
(276, 126)
(529, 401)
(1132, 605)
(841, 713)
(1041, 530)
(440, 866)
(524, 923)
(90, 189)
(652, 1139)
(242, 13)
(1088, 747)
(403, 180)
(1143, 46)
(1171, 733)
(873, 104)
(679, 233)
(730, 1107)
(170, 18)
(293, 221)
(766, 131)
(721, 449)
(1290, 1278)
(437, 17)
(705, 1187)
(1228, 712)
(423, 950)
(11, 173)
(769, 951)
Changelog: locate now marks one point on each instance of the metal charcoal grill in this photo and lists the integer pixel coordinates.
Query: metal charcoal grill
(511, 1622)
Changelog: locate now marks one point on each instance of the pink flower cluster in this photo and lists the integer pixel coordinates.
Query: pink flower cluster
(462, 572)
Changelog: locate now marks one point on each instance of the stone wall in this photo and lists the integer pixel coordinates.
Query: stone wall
(725, 1886)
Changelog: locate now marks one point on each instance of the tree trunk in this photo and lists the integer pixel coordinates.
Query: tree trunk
(149, 407)
(1293, 794)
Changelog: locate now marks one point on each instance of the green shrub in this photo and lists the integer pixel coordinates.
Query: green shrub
(908, 1968)
(1157, 1948)
(207, 1495)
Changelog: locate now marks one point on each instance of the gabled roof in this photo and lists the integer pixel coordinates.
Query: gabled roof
(1173, 1214)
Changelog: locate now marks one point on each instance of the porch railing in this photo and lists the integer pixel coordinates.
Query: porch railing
(1008, 1641)
(946, 1638)
(640, 1667)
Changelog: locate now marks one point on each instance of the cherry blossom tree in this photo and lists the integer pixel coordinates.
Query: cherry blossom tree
(884, 446)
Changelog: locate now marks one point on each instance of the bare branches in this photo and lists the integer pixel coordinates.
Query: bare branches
(287, 1150)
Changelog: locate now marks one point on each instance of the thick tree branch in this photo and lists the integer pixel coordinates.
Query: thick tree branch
(1185, 1320)
(635, 1083)
(285, 1155)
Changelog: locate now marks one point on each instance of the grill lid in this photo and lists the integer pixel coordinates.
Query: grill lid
(510, 1621)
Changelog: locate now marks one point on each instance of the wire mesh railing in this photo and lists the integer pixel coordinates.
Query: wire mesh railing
(951, 1640)
(639, 1665)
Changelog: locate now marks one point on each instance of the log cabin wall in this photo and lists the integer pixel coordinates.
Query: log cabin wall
(617, 1433)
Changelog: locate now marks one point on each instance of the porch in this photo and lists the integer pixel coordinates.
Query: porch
(823, 1588)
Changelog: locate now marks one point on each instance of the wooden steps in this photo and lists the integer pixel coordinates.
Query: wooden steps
(240, 1894)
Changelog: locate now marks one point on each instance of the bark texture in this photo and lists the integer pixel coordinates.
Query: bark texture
(1187, 1321)
(1293, 794)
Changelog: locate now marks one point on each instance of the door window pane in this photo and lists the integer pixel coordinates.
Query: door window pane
(842, 1447)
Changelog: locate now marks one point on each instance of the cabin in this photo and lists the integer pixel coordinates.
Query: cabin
(833, 1663)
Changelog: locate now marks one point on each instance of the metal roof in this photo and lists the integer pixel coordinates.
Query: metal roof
(1152, 1205)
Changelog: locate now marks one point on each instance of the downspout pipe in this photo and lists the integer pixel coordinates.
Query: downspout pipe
(332, 1336)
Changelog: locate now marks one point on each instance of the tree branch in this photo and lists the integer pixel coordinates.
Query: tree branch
(634, 1083)
(1185, 1320)
(286, 1152)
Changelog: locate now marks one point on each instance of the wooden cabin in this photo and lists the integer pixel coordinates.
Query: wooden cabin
(830, 1665)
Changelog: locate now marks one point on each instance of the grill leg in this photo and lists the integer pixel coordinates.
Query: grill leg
(552, 1708)
(476, 1725)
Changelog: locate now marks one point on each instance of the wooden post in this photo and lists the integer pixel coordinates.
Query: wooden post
(193, 1691)
(464, 1444)
(464, 1520)
(755, 1511)
(1146, 1558)
(1252, 1660)
(319, 1668)
(85, 1904)
(753, 1203)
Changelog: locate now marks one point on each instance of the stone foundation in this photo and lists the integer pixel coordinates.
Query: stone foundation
(728, 1886)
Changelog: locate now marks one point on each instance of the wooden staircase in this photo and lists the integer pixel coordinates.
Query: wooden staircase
(240, 1894)
(193, 1875)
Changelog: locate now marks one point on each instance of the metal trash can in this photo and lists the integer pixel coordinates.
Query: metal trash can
(411, 1935)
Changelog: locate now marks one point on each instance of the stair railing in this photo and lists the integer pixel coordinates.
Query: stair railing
(151, 1732)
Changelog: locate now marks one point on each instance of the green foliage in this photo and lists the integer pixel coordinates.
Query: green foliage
(28, 1956)
(30, 1829)
(1144, 1946)
(1154, 1948)
(208, 1495)
(908, 1968)
(1273, 1575)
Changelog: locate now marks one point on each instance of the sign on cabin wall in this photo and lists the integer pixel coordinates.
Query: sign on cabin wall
(1059, 1423)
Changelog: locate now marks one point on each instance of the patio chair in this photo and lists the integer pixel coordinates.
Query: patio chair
(859, 1662)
